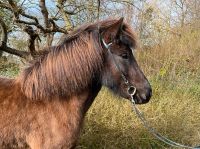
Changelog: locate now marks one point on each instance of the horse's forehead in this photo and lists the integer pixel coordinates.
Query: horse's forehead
(119, 48)
(127, 40)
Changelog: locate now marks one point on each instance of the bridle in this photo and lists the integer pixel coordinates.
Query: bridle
(131, 90)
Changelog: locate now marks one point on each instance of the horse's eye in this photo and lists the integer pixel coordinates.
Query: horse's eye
(124, 56)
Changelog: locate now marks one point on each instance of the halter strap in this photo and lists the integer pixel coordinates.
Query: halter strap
(131, 89)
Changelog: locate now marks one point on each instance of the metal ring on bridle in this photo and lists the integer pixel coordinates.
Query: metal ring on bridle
(131, 90)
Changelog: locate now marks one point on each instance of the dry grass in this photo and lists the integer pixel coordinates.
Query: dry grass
(174, 110)
(110, 123)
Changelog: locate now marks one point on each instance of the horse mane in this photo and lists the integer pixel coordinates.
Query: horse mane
(68, 68)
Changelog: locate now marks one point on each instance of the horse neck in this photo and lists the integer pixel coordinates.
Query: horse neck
(7, 85)
(86, 97)
(10, 92)
(92, 93)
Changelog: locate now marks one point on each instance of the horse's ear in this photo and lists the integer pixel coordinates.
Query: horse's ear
(112, 31)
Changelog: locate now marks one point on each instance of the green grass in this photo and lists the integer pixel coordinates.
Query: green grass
(8, 69)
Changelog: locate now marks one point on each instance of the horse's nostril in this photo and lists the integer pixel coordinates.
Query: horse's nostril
(144, 97)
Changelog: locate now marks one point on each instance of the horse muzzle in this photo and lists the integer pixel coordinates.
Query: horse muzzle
(142, 97)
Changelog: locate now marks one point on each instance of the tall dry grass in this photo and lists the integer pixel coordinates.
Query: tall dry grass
(174, 110)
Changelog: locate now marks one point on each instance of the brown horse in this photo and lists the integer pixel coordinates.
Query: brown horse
(44, 107)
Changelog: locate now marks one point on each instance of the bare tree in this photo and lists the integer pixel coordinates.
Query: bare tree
(31, 25)
(43, 22)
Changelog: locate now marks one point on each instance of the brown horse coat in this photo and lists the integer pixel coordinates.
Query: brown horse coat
(44, 107)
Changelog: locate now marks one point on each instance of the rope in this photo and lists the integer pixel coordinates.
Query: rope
(132, 91)
(154, 132)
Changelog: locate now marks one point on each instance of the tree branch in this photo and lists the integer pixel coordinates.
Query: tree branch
(60, 5)
(19, 11)
(26, 22)
(128, 2)
(4, 33)
(4, 5)
(3, 43)
(44, 13)
(32, 36)
(22, 54)
(30, 17)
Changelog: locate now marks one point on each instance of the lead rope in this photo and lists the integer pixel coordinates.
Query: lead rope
(154, 132)
(131, 91)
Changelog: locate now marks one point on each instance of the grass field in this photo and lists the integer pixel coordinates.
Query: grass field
(174, 110)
